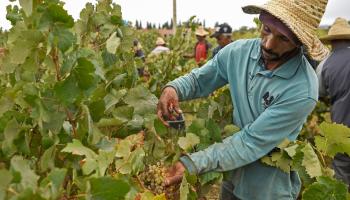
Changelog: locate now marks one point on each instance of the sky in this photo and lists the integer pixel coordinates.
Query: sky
(160, 11)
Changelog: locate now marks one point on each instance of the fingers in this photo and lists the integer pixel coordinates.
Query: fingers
(173, 180)
(160, 116)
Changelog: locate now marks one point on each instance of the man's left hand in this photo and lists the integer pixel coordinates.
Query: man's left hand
(175, 174)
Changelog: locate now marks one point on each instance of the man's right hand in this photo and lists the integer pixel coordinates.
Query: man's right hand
(168, 104)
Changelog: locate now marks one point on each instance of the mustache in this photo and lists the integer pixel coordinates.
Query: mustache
(269, 51)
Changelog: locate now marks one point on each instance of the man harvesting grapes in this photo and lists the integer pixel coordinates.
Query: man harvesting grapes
(273, 90)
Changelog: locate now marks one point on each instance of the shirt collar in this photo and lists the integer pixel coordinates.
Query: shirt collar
(289, 68)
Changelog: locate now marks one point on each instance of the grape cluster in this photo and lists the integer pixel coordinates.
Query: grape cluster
(153, 179)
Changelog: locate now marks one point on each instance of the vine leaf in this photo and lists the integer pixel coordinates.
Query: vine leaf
(326, 188)
(27, 6)
(6, 179)
(311, 162)
(28, 178)
(112, 43)
(187, 143)
(335, 139)
(107, 188)
(76, 148)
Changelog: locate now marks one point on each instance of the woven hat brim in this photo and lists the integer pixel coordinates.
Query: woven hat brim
(316, 50)
(327, 39)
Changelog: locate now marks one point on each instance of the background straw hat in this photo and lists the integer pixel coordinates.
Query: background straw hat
(302, 17)
(201, 32)
(160, 41)
(340, 30)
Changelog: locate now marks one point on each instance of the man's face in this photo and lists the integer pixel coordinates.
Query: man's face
(223, 40)
(274, 45)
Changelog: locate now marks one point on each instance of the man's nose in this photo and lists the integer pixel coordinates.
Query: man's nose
(270, 42)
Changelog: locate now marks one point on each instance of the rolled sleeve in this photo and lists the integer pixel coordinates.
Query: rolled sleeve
(278, 122)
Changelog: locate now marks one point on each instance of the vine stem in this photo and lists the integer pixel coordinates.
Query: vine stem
(54, 54)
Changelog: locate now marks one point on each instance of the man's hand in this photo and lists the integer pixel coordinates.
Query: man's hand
(168, 105)
(175, 174)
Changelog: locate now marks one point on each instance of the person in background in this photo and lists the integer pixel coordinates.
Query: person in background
(201, 48)
(334, 81)
(223, 34)
(160, 47)
(138, 53)
(273, 90)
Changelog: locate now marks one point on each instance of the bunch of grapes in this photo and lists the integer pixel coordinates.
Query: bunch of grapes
(153, 179)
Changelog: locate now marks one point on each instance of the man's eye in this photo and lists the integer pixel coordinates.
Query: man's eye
(266, 29)
(285, 39)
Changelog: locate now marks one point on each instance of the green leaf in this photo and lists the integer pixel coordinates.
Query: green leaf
(160, 128)
(292, 150)
(47, 160)
(76, 148)
(107, 188)
(109, 122)
(184, 189)
(214, 130)
(311, 162)
(187, 143)
(57, 14)
(85, 74)
(11, 133)
(62, 38)
(104, 159)
(54, 181)
(142, 100)
(67, 90)
(6, 179)
(123, 148)
(89, 166)
(20, 51)
(230, 129)
(209, 177)
(336, 139)
(326, 188)
(28, 178)
(97, 108)
(27, 6)
(112, 43)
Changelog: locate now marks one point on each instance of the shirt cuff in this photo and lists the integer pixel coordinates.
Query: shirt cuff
(189, 164)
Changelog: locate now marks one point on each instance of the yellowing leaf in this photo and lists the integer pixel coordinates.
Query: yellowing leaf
(188, 142)
(113, 43)
(311, 162)
(160, 197)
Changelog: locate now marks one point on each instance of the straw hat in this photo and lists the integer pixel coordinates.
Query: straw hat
(340, 30)
(302, 17)
(160, 41)
(201, 32)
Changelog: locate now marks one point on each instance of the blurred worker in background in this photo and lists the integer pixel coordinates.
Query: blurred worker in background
(334, 81)
(160, 47)
(138, 53)
(201, 48)
(223, 34)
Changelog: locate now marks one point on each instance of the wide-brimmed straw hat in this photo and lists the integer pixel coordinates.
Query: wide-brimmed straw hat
(340, 30)
(302, 17)
(201, 32)
(160, 41)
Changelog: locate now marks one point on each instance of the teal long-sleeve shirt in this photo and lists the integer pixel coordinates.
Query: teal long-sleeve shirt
(269, 106)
